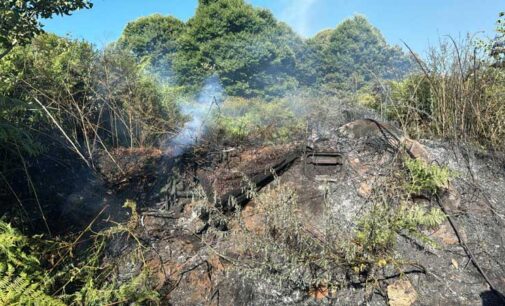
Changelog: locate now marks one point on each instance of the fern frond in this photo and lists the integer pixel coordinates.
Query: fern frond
(21, 290)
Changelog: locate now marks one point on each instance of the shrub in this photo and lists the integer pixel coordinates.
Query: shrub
(289, 250)
(426, 177)
(138, 111)
(73, 275)
(96, 99)
(258, 121)
(49, 69)
(457, 95)
(378, 229)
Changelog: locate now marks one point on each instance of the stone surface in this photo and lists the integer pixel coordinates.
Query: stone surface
(445, 234)
(194, 258)
(401, 293)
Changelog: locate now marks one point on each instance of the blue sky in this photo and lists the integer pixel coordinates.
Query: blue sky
(417, 22)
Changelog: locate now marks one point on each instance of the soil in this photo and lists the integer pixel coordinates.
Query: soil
(192, 251)
(191, 271)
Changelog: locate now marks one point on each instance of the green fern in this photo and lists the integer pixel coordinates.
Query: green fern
(426, 177)
(22, 281)
(378, 229)
(86, 280)
(22, 290)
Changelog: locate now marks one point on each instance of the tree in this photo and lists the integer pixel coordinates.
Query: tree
(353, 53)
(252, 53)
(497, 48)
(19, 19)
(153, 39)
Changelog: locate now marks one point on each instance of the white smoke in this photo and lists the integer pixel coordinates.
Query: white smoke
(297, 15)
(199, 112)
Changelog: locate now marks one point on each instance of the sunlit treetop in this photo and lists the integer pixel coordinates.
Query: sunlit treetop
(19, 19)
(498, 48)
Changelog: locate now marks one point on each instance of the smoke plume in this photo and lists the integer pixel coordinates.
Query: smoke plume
(199, 112)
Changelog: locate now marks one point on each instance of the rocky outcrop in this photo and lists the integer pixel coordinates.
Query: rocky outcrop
(193, 251)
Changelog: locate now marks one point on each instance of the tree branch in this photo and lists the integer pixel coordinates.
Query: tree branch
(7, 50)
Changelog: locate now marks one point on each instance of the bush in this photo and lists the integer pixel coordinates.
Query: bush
(256, 120)
(289, 250)
(458, 95)
(137, 110)
(59, 93)
(74, 274)
(378, 229)
(424, 177)
(92, 97)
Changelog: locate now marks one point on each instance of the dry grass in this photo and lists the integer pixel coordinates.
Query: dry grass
(456, 95)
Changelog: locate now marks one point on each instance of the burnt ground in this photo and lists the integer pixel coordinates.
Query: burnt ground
(190, 231)
(191, 237)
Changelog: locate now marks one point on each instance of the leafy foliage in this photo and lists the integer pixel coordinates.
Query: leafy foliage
(78, 277)
(254, 55)
(93, 97)
(426, 177)
(353, 53)
(153, 39)
(291, 251)
(19, 19)
(53, 70)
(458, 95)
(20, 290)
(498, 45)
(254, 120)
(13, 136)
(49, 69)
(247, 48)
(378, 229)
(22, 280)
(140, 109)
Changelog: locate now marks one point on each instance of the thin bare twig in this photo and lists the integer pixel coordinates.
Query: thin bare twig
(32, 186)
(74, 146)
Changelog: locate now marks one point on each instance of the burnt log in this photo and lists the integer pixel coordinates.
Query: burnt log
(256, 180)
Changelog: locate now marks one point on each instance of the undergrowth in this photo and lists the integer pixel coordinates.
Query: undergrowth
(426, 177)
(456, 94)
(299, 254)
(377, 230)
(253, 120)
(22, 280)
(38, 271)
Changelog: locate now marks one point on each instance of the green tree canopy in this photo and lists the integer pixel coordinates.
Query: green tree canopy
(19, 19)
(247, 48)
(355, 50)
(253, 54)
(153, 38)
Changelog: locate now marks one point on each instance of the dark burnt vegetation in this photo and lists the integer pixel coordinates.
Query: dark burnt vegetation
(228, 160)
(298, 253)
